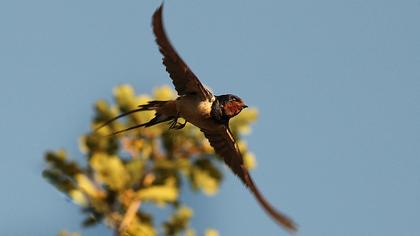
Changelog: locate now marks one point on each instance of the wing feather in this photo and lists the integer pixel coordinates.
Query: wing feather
(184, 80)
(224, 144)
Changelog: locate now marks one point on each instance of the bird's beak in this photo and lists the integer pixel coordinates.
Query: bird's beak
(244, 106)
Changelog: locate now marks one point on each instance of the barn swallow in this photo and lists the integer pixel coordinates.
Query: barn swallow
(210, 113)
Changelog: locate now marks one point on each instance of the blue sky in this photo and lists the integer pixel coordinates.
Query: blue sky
(337, 84)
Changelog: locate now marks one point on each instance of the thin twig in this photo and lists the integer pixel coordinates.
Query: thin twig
(134, 206)
(129, 215)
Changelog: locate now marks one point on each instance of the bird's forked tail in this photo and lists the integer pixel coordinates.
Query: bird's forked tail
(165, 111)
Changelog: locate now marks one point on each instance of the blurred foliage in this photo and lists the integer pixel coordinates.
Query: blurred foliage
(143, 166)
(65, 233)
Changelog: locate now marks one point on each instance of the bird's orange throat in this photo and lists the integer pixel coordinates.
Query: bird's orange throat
(232, 109)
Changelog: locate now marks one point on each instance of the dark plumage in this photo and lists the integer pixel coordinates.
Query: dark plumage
(210, 113)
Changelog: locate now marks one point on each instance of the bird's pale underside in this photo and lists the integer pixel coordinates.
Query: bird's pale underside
(200, 107)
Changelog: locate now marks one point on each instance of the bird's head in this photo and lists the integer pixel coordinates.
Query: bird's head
(231, 105)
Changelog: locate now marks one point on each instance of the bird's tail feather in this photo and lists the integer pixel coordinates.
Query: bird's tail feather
(282, 219)
(150, 106)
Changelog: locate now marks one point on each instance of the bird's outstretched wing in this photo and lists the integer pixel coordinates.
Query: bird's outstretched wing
(223, 142)
(182, 77)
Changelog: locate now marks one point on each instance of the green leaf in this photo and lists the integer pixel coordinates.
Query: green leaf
(164, 93)
(139, 228)
(240, 123)
(135, 170)
(58, 160)
(249, 160)
(178, 221)
(109, 170)
(160, 194)
(78, 197)
(91, 220)
(66, 233)
(124, 95)
(211, 232)
(60, 181)
(205, 176)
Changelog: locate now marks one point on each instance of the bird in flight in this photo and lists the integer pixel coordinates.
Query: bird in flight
(210, 113)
